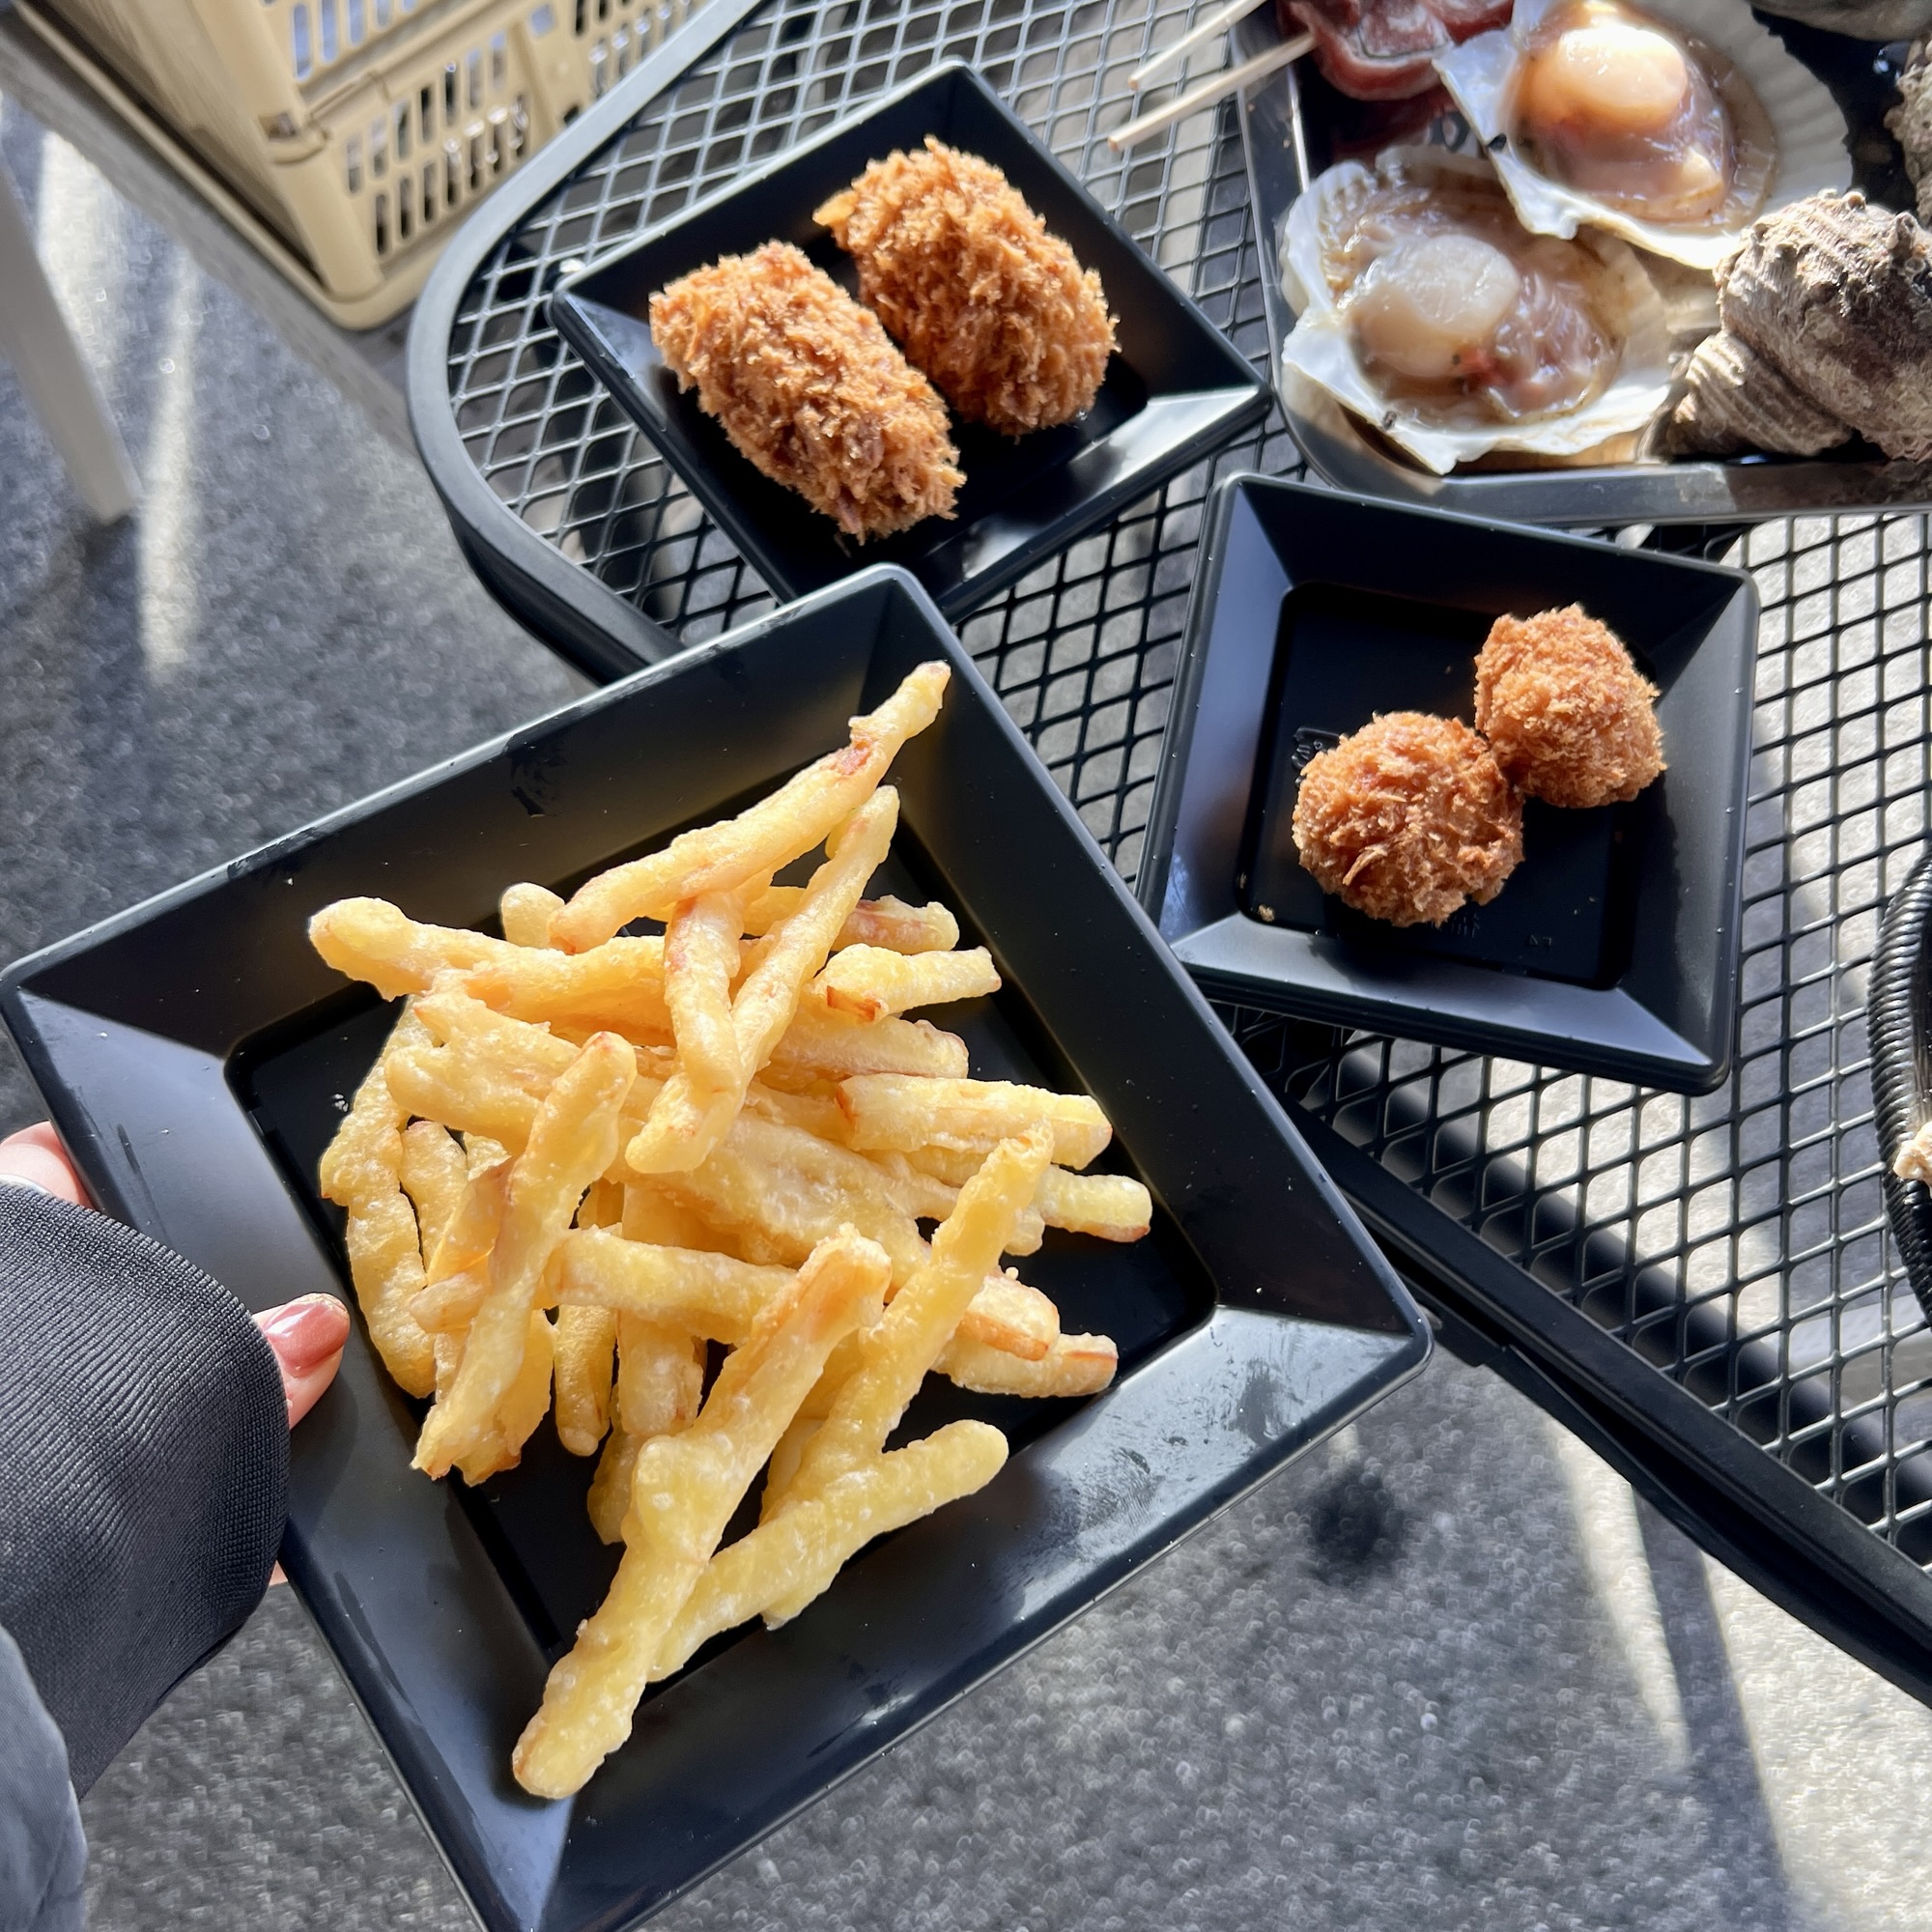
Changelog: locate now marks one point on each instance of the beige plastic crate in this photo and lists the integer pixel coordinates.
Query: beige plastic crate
(348, 137)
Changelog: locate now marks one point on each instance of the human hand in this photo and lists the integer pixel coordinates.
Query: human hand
(306, 1335)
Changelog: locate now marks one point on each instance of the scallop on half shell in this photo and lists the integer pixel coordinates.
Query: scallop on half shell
(1425, 307)
(1674, 124)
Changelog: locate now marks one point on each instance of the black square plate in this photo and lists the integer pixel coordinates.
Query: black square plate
(1175, 391)
(1613, 948)
(196, 1056)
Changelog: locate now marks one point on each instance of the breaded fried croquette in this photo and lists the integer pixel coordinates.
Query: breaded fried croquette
(810, 388)
(1568, 715)
(965, 277)
(1407, 818)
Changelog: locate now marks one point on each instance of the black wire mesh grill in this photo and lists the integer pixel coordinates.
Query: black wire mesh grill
(1738, 1241)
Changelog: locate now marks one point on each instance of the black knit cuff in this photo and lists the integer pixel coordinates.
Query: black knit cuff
(145, 1476)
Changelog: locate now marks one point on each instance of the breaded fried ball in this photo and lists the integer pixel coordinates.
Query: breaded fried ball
(1568, 715)
(1407, 818)
(964, 275)
(810, 388)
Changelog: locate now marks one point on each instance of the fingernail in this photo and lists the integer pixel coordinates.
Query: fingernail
(305, 1333)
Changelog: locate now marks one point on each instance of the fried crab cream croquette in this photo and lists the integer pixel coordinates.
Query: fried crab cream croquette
(1568, 715)
(1407, 818)
(810, 389)
(965, 277)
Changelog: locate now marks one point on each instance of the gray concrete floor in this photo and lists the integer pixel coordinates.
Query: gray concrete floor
(1446, 1672)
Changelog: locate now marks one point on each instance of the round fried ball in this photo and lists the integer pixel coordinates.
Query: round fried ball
(1568, 715)
(1408, 817)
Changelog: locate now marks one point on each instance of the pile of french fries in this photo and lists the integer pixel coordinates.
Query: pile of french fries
(584, 1157)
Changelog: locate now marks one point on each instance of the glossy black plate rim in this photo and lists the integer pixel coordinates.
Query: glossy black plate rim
(1898, 1013)
(1703, 1064)
(68, 1048)
(1247, 395)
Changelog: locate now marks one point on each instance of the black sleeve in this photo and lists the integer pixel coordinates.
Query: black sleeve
(42, 1855)
(144, 1472)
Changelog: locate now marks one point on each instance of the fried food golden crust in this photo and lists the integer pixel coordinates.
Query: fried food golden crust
(964, 274)
(810, 388)
(1408, 817)
(1567, 714)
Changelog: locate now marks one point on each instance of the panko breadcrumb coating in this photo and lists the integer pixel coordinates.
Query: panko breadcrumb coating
(1567, 714)
(964, 275)
(810, 388)
(1407, 818)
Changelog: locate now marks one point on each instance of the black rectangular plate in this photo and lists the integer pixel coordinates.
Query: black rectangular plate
(196, 1055)
(1613, 948)
(1175, 391)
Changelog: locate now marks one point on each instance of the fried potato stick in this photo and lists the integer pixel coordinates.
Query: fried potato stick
(457, 1275)
(361, 1172)
(434, 1173)
(882, 921)
(700, 960)
(525, 912)
(1075, 1365)
(660, 1377)
(688, 1117)
(762, 839)
(661, 1366)
(921, 1318)
(722, 1298)
(821, 1045)
(782, 1566)
(525, 1405)
(586, 1340)
(893, 1111)
(683, 1491)
(616, 987)
(610, 1499)
(372, 940)
(712, 1296)
(791, 1190)
(869, 982)
(573, 1140)
(1110, 1207)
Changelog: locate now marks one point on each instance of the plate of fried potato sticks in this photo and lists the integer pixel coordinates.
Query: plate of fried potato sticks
(912, 339)
(808, 1236)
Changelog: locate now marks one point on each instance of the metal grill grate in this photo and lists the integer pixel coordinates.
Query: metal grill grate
(1736, 1242)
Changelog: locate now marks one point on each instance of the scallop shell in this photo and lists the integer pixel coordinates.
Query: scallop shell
(1319, 351)
(1808, 130)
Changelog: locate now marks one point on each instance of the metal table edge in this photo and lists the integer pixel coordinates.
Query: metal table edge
(1760, 1519)
(558, 586)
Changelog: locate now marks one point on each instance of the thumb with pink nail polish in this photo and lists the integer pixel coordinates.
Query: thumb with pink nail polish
(307, 1337)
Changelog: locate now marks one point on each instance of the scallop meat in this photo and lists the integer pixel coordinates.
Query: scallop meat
(1673, 126)
(1425, 307)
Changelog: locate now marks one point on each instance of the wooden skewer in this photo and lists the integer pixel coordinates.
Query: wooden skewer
(1216, 22)
(1211, 90)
